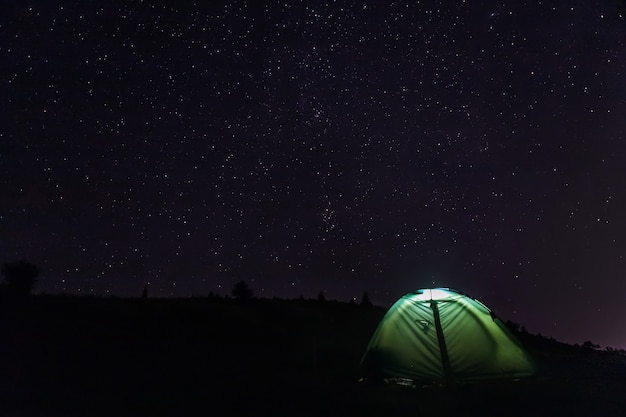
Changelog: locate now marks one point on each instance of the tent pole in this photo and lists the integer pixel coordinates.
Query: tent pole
(445, 359)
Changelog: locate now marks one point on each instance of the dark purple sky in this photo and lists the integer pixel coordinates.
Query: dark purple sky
(339, 146)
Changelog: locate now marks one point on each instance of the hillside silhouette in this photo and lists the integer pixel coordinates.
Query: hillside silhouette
(66, 355)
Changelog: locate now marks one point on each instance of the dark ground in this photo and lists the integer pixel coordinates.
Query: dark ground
(64, 356)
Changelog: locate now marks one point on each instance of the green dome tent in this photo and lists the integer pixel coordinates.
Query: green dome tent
(440, 335)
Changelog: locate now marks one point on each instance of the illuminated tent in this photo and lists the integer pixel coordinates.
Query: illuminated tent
(440, 335)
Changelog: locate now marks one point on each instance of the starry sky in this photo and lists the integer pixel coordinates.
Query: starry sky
(338, 146)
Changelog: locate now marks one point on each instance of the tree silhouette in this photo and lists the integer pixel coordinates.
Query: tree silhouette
(19, 277)
(241, 291)
(365, 300)
(590, 345)
(321, 297)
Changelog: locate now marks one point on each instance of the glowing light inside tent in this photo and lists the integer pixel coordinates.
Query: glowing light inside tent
(441, 335)
(433, 294)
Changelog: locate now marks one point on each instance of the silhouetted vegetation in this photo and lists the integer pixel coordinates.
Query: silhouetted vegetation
(19, 278)
(241, 291)
(365, 300)
(588, 344)
(516, 328)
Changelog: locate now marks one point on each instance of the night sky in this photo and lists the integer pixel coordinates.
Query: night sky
(307, 146)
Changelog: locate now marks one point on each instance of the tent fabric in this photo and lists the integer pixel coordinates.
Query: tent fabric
(441, 335)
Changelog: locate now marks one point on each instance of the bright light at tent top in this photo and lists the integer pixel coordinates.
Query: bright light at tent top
(434, 294)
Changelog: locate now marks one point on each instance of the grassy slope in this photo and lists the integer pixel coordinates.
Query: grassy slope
(82, 356)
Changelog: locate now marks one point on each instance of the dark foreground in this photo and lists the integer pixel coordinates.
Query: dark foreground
(113, 357)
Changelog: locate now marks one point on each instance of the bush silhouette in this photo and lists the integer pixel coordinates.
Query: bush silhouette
(241, 291)
(19, 278)
(590, 345)
(365, 300)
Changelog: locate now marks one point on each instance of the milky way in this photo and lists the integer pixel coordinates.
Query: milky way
(322, 146)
